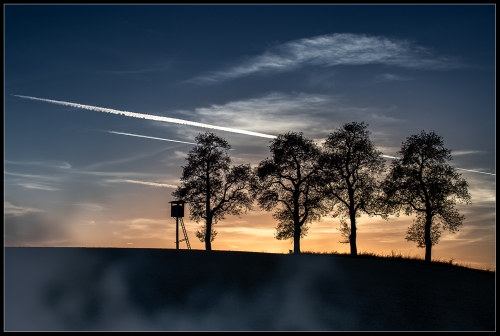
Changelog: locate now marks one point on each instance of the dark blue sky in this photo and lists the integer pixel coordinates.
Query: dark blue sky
(261, 68)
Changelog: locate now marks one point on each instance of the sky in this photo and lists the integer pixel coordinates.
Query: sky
(102, 103)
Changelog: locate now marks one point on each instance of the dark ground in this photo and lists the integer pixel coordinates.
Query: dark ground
(115, 289)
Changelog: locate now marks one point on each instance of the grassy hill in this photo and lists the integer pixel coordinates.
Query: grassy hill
(161, 289)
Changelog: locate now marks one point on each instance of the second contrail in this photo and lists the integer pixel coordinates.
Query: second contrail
(150, 137)
(474, 171)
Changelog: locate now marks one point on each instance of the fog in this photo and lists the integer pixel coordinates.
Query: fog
(90, 289)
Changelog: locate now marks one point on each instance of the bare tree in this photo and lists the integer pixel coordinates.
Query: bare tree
(421, 181)
(289, 182)
(212, 188)
(351, 167)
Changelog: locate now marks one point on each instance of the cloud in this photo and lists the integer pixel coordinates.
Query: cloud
(278, 113)
(457, 153)
(90, 206)
(114, 174)
(32, 176)
(12, 210)
(129, 159)
(32, 181)
(143, 182)
(140, 71)
(148, 116)
(138, 228)
(50, 164)
(247, 231)
(390, 78)
(332, 50)
(39, 186)
(178, 155)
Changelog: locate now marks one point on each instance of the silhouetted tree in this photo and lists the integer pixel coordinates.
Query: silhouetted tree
(289, 182)
(212, 188)
(421, 181)
(351, 167)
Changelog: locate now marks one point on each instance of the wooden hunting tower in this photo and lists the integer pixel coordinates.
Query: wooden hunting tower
(177, 208)
(177, 211)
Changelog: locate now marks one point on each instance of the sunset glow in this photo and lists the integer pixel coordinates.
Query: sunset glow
(103, 104)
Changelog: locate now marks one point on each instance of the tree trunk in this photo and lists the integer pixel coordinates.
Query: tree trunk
(296, 221)
(427, 237)
(296, 238)
(208, 235)
(208, 212)
(352, 237)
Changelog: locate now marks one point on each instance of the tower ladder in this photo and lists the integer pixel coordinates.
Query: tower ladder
(185, 233)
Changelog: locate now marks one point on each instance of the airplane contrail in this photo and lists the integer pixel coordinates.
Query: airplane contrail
(149, 137)
(154, 138)
(149, 117)
(475, 171)
(174, 120)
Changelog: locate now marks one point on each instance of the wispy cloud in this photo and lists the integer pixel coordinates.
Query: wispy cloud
(457, 153)
(274, 113)
(139, 228)
(90, 206)
(138, 71)
(43, 177)
(390, 78)
(50, 164)
(246, 231)
(153, 184)
(148, 116)
(332, 50)
(124, 160)
(118, 174)
(40, 186)
(277, 113)
(32, 181)
(12, 210)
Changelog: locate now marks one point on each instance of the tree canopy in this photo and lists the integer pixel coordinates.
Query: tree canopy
(351, 168)
(212, 187)
(421, 181)
(289, 183)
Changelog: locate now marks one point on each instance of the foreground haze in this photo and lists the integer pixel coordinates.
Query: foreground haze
(103, 103)
(90, 289)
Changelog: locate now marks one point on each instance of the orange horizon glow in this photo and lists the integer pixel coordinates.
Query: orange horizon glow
(375, 236)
